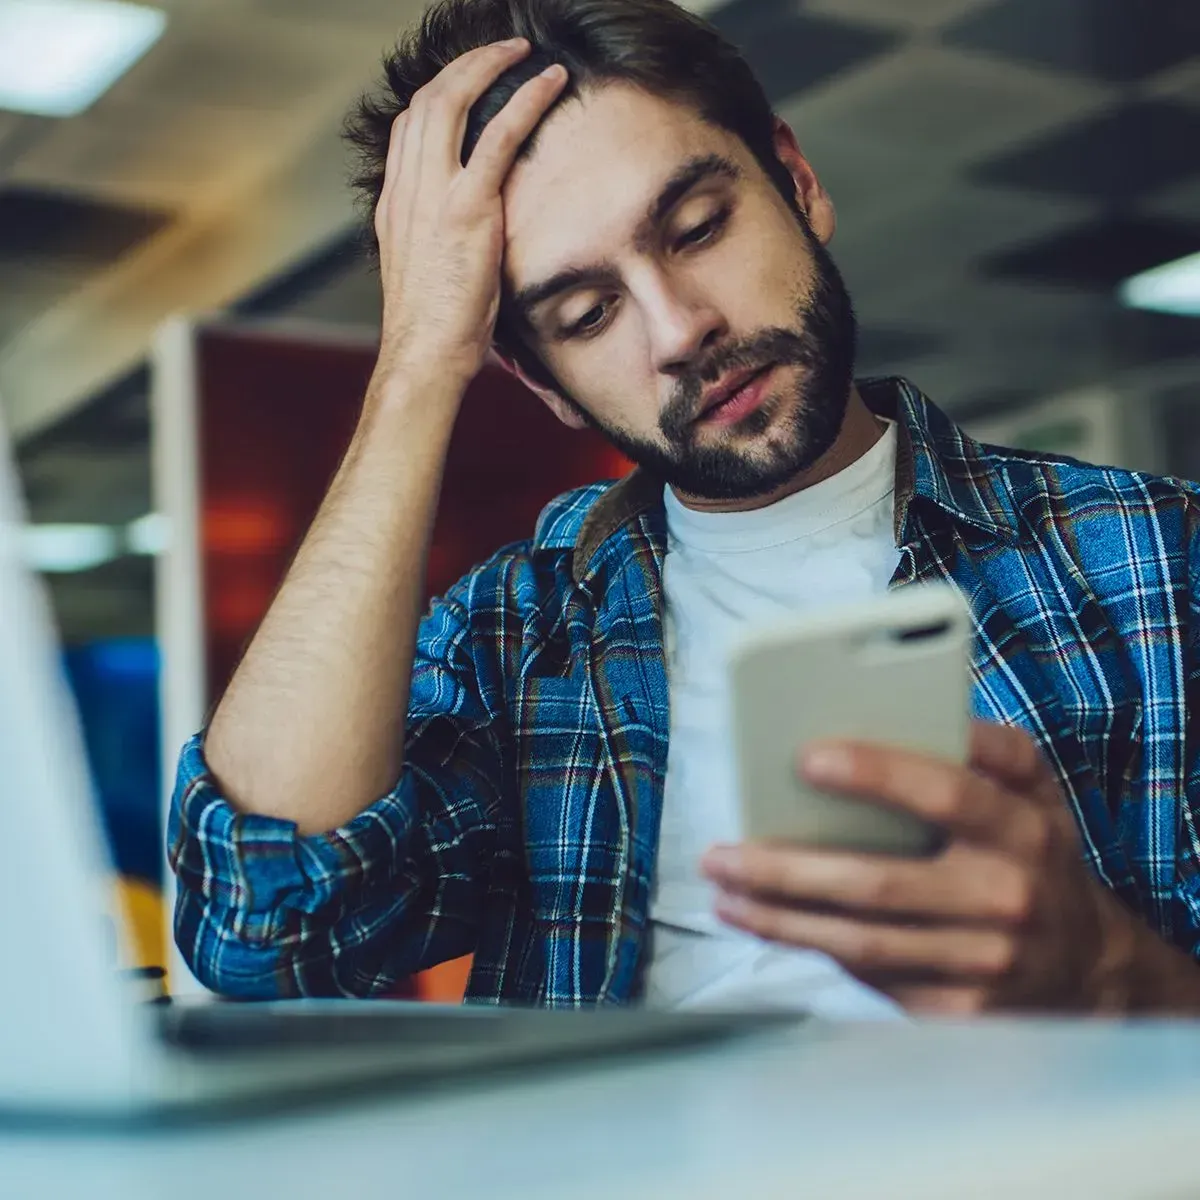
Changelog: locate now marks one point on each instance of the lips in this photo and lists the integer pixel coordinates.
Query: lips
(727, 388)
(735, 387)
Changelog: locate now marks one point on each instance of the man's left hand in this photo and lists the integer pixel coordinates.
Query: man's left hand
(1006, 916)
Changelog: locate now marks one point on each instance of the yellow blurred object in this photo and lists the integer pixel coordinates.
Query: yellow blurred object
(139, 907)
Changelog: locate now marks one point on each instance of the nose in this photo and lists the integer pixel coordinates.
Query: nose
(682, 324)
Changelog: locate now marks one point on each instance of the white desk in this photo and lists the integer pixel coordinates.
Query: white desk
(955, 1112)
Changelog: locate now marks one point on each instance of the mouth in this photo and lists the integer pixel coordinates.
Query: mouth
(736, 398)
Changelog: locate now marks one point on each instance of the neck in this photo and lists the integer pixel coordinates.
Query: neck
(860, 431)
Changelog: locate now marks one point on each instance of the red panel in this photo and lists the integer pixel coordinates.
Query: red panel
(275, 416)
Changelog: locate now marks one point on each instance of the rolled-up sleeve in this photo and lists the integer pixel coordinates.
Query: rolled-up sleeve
(262, 912)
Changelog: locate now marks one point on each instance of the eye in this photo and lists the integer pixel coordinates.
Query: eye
(700, 234)
(590, 323)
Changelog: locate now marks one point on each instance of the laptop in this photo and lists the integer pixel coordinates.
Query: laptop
(75, 1040)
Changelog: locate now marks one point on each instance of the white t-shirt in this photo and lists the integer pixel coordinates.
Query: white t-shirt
(828, 544)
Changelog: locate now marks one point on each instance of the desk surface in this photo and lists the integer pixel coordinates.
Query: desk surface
(953, 1111)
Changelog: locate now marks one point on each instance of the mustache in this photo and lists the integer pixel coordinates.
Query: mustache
(777, 345)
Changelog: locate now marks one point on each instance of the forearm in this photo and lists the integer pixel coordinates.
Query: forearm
(311, 727)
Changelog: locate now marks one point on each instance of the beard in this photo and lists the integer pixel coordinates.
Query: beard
(821, 346)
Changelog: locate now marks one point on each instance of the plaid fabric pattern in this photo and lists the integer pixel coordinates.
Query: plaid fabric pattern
(524, 828)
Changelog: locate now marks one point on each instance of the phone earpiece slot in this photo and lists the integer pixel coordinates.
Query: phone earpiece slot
(921, 633)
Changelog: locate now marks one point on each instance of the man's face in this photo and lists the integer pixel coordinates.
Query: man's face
(657, 267)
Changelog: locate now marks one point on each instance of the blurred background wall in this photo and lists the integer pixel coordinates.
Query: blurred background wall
(1002, 169)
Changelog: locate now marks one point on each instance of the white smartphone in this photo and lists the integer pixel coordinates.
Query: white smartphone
(894, 670)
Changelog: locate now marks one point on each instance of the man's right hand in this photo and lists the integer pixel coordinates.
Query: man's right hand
(307, 730)
(440, 225)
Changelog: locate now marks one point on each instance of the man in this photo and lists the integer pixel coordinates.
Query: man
(537, 772)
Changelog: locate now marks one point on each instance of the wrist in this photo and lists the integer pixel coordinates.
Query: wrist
(1138, 972)
(405, 365)
(1114, 980)
(414, 393)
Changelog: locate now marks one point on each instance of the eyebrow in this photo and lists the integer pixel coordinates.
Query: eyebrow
(692, 173)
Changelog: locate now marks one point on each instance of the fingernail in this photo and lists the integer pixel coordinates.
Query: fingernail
(553, 71)
(826, 762)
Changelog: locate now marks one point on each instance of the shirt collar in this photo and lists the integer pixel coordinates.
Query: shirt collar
(935, 462)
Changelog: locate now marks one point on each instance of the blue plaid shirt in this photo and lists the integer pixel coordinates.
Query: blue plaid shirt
(524, 828)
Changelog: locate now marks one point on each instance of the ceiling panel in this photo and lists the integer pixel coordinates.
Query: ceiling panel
(1181, 203)
(63, 232)
(173, 155)
(1124, 155)
(1002, 308)
(28, 291)
(944, 235)
(913, 15)
(234, 64)
(14, 130)
(1182, 84)
(865, 176)
(956, 108)
(363, 12)
(1098, 255)
(792, 50)
(1110, 40)
(338, 286)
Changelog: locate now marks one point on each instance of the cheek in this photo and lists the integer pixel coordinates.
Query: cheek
(760, 270)
(613, 378)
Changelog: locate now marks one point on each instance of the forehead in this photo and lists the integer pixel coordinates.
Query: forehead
(597, 164)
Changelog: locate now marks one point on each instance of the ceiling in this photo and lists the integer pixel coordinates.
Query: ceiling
(998, 169)
(998, 166)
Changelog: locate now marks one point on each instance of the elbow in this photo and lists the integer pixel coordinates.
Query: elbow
(223, 961)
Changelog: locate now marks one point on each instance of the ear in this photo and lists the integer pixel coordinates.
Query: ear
(810, 195)
(564, 411)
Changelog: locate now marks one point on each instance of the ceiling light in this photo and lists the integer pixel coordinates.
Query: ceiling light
(58, 56)
(1171, 288)
(65, 549)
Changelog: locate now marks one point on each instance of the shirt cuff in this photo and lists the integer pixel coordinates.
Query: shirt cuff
(261, 871)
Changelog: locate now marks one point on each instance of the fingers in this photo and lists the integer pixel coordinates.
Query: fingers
(443, 104)
(436, 118)
(493, 157)
(866, 947)
(1010, 755)
(940, 999)
(962, 884)
(391, 170)
(960, 800)
(395, 150)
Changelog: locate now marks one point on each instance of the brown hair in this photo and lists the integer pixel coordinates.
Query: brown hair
(653, 44)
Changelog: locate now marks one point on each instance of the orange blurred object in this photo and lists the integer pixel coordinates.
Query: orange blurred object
(445, 983)
(249, 525)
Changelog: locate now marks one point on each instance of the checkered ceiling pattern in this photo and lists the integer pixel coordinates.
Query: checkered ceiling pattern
(999, 166)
